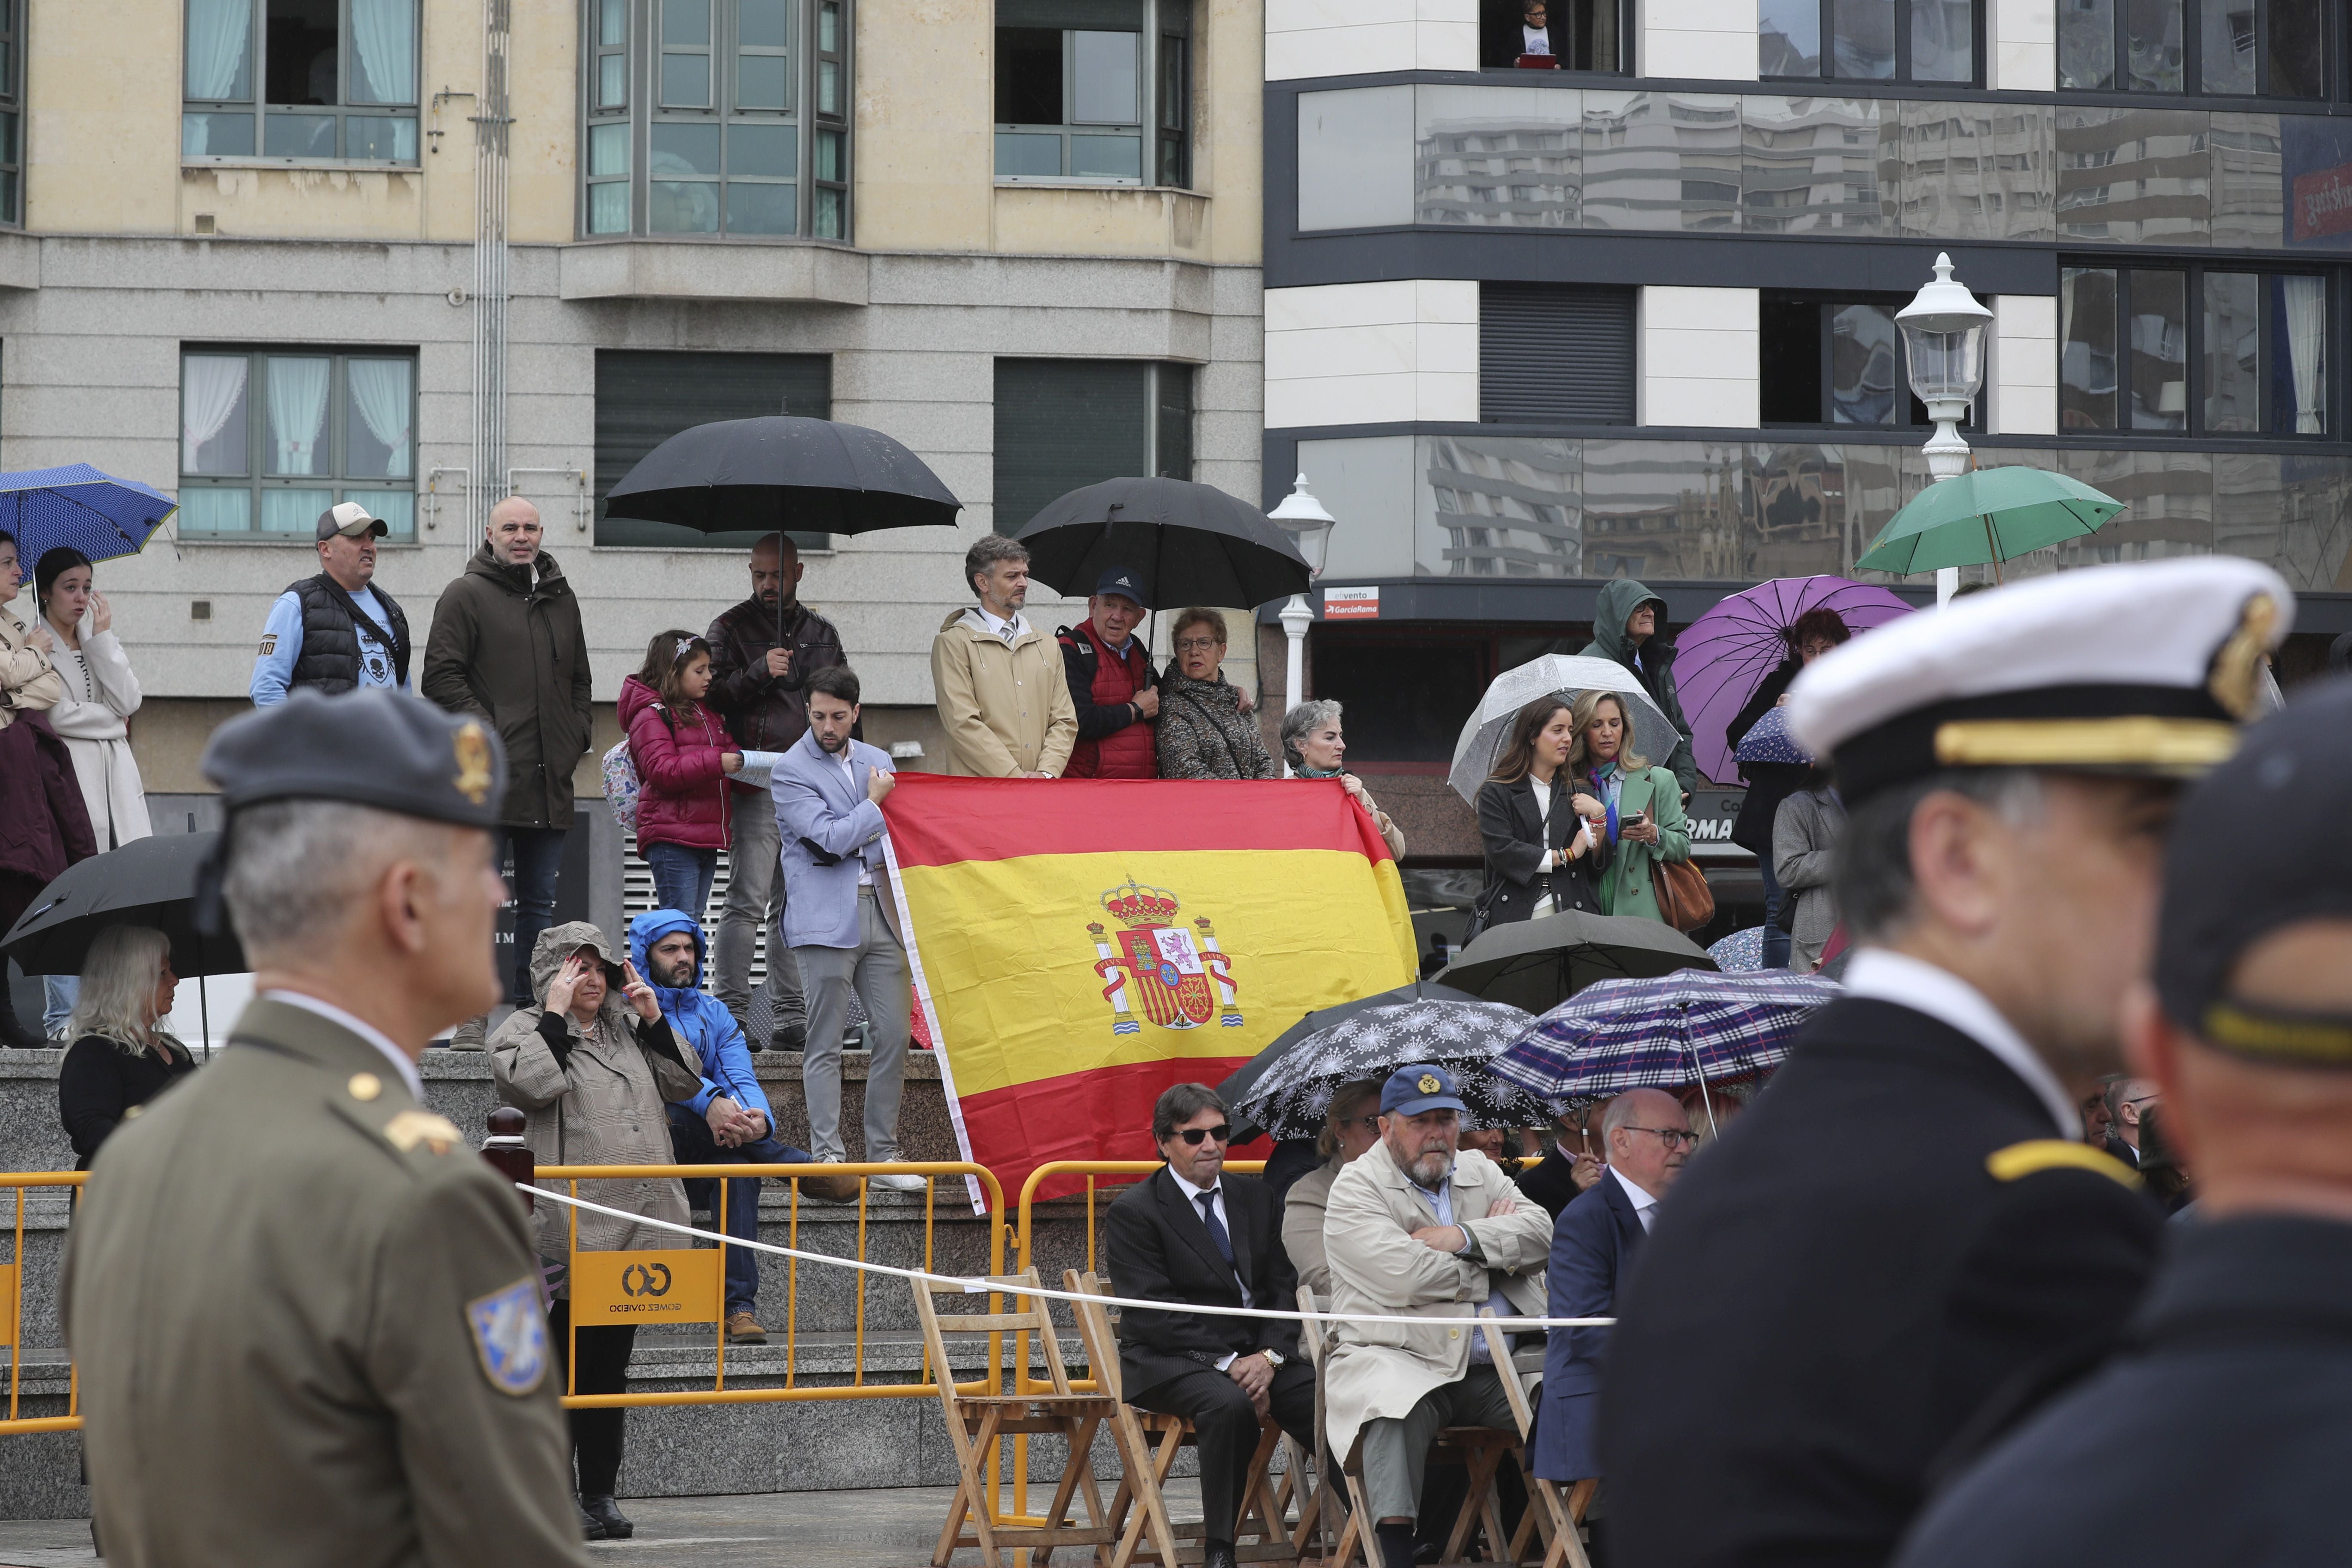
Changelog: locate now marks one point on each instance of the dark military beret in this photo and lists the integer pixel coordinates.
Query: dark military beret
(374, 746)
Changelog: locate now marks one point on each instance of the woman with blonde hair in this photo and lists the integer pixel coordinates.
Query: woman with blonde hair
(1643, 805)
(122, 1056)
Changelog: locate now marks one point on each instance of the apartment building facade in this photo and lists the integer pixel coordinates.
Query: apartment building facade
(1532, 327)
(272, 254)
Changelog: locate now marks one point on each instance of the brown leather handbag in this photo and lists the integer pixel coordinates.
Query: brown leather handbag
(1684, 900)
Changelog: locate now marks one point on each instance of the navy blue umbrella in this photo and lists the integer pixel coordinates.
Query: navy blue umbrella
(1771, 742)
(96, 514)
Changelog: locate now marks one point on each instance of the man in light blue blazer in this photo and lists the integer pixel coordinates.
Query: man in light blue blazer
(839, 919)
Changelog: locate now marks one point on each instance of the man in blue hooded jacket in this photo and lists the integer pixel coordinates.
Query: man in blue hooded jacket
(729, 1121)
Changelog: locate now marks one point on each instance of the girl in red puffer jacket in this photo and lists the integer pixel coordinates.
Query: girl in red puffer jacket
(683, 755)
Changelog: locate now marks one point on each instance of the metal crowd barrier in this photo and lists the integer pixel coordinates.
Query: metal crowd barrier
(12, 1309)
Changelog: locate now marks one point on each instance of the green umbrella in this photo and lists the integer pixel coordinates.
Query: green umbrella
(1992, 514)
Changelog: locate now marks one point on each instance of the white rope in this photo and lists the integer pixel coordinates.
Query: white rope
(972, 1286)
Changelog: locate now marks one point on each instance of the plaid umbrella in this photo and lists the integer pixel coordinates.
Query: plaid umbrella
(1683, 1029)
(1289, 1101)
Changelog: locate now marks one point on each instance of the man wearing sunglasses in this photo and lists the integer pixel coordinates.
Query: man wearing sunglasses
(1194, 1235)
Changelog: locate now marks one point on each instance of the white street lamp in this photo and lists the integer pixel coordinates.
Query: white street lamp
(1302, 517)
(1943, 339)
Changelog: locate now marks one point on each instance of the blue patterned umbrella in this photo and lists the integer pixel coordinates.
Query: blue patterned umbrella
(1289, 1100)
(1682, 1028)
(102, 516)
(1741, 952)
(1770, 741)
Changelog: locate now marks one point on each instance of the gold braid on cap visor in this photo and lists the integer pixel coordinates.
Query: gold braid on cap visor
(2308, 1039)
(2134, 741)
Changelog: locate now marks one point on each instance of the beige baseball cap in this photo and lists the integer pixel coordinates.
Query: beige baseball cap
(350, 519)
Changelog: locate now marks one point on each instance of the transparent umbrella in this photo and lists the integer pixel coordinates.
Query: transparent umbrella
(1488, 729)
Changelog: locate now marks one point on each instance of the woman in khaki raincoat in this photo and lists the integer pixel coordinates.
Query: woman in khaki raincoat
(590, 1067)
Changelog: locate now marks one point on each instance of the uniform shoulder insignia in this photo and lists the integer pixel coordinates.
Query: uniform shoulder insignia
(2037, 1154)
(410, 1128)
(510, 1337)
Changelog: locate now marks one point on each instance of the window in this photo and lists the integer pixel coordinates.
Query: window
(1064, 422)
(1580, 35)
(716, 117)
(1835, 361)
(12, 106)
(2269, 48)
(271, 437)
(1870, 40)
(305, 81)
(1071, 76)
(645, 399)
(2192, 350)
(1555, 354)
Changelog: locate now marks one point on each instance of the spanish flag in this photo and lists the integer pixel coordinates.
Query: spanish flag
(1077, 945)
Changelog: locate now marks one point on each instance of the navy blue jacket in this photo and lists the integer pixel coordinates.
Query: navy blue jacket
(1592, 1247)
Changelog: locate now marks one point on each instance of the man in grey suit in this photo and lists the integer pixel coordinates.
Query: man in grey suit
(838, 915)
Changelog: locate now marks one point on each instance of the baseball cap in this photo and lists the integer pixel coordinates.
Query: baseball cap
(2225, 890)
(1122, 581)
(1418, 1087)
(350, 519)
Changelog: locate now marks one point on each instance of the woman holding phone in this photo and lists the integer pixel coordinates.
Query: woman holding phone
(1544, 839)
(1642, 806)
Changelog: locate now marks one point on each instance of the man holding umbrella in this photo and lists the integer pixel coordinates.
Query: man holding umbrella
(1111, 685)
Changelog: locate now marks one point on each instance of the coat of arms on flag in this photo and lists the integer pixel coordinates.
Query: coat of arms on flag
(1175, 979)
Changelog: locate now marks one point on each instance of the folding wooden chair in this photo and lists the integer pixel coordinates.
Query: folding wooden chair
(975, 1421)
(1262, 1536)
(1555, 1516)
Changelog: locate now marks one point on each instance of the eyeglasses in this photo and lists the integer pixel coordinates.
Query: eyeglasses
(1674, 1137)
(1223, 1132)
(1196, 644)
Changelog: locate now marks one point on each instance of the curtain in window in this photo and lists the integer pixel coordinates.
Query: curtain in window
(210, 388)
(218, 30)
(298, 409)
(385, 33)
(2306, 336)
(380, 392)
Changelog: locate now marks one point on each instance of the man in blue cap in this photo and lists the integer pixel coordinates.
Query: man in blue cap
(1418, 1226)
(1111, 683)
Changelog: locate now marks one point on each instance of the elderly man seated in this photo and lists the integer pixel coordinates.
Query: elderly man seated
(1416, 1229)
(1189, 1233)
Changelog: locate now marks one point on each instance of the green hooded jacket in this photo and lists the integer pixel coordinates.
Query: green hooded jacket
(1655, 670)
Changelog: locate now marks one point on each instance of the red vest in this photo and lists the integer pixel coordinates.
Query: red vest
(1132, 753)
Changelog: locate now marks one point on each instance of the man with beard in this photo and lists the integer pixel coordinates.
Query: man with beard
(1844, 1286)
(1416, 1229)
(762, 654)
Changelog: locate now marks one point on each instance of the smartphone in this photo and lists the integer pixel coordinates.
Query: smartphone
(1635, 820)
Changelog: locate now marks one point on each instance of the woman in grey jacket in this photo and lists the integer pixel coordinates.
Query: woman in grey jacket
(1804, 855)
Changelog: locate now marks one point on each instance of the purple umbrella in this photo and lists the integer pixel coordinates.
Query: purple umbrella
(1726, 654)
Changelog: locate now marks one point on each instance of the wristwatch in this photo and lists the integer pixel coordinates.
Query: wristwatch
(1273, 1358)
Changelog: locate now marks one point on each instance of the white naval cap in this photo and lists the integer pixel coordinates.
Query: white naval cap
(2139, 668)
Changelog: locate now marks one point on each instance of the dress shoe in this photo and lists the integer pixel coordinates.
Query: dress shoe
(606, 1520)
(1217, 1554)
(743, 1329)
(840, 1189)
(790, 1037)
(589, 1526)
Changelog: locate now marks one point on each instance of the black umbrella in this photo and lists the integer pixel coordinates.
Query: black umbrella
(147, 882)
(1193, 544)
(1538, 965)
(1243, 1079)
(1293, 1097)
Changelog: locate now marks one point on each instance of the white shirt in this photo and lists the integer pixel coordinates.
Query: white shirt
(1944, 996)
(366, 1031)
(1010, 631)
(1217, 1203)
(1535, 40)
(1645, 1207)
(849, 770)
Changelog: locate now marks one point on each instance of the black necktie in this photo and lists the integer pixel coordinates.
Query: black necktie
(1216, 1227)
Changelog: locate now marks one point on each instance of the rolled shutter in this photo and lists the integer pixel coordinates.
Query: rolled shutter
(1552, 354)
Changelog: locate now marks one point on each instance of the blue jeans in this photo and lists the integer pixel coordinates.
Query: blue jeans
(1776, 940)
(58, 994)
(682, 878)
(690, 1140)
(538, 858)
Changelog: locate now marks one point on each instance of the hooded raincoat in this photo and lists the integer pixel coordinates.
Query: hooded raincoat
(598, 1103)
(701, 1022)
(1653, 663)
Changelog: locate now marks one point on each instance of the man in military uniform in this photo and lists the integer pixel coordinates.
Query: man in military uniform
(306, 1314)
(2220, 1439)
(1909, 1218)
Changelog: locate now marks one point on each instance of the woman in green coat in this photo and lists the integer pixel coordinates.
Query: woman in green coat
(1645, 805)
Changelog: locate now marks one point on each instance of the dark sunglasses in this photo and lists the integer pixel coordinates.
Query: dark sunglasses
(1223, 1132)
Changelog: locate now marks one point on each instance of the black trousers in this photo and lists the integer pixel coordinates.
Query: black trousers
(1226, 1424)
(597, 1435)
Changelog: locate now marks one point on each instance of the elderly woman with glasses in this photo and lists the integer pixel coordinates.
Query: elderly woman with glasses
(1205, 731)
(1351, 1125)
(1315, 747)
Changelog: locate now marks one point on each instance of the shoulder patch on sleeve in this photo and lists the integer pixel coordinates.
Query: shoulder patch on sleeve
(410, 1128)
(2056, 1154)
(269, 644)
(510, 1337)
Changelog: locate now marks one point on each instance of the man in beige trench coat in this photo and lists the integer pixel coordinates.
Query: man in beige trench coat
(1417, 1229)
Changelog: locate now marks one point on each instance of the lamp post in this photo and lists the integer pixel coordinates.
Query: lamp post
(1943, 339)
(1302, 517)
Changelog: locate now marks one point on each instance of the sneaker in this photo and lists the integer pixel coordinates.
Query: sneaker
(743, 1329)
(473, 1035)
(899, 1181)
(841, 1189)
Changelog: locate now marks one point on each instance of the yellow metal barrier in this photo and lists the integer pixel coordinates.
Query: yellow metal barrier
(12, 1309)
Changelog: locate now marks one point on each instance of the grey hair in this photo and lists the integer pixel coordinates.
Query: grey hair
(295, 867)
(1302, 721)
(1619, 1114)
(986, 551)
(1872, 883)
(1178, 1104)
(119, 977)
